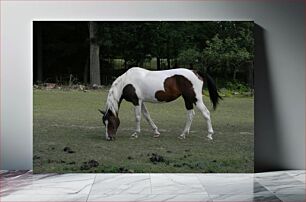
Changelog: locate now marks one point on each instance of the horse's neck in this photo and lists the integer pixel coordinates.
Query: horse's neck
(114, 95)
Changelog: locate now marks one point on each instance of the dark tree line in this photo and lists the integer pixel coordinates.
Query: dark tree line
(90, 51)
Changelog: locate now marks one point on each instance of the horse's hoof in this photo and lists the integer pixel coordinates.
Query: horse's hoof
(156, 135)
(156, 132)
(209, 136)
(182, 137)
(134, 135)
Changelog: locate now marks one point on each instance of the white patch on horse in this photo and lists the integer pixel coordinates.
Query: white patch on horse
(106, 132)
(190, 115)
(114, 94)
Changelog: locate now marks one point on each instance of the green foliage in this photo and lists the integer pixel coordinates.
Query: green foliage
(231, 50)
(224, 48)
(237, 86)
(190, 57)
(225, 54)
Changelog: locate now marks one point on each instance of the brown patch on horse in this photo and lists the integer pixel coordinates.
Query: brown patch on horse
(172, 90)
(176, 86)
(129, 94)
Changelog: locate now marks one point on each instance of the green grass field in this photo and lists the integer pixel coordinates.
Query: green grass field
(71, 119)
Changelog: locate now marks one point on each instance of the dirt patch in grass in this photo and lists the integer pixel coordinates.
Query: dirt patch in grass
(68, 150)
(155, 158)
(89, 164)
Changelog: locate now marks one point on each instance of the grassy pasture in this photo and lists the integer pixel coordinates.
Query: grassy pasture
(70, 121)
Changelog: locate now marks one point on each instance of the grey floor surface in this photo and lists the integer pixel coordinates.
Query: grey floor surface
(270, 186)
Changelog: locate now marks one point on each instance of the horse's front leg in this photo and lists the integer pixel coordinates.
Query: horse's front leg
(137, 119)
(147, 116)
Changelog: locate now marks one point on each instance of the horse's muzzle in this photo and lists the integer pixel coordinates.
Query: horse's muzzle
(110, 137)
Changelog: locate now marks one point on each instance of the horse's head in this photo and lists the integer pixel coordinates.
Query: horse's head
(111, 123)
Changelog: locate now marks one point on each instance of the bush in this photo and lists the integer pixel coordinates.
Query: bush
(190, 57)
(237, 86)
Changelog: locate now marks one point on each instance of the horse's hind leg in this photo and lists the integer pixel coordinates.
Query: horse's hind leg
(189, 100)
(206, 114)
(190, 115)
(147, 116)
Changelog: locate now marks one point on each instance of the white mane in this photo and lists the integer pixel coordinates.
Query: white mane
(114, 94)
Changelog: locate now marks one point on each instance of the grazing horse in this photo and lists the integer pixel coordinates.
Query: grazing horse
(139, 85)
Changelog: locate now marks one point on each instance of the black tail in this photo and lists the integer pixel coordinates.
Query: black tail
(212, 89)
(213, 92)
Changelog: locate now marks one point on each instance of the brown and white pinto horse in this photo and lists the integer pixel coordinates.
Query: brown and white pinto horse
(139, 85)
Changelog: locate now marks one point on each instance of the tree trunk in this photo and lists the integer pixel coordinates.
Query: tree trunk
(70, 80)
(158, 63)
(168, 53)
(94, 55)
(169, 63)
(39, 55)
(234, 74)
(125, 64)
(85, 76)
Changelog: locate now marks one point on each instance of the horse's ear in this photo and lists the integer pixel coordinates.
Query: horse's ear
(101, 111)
